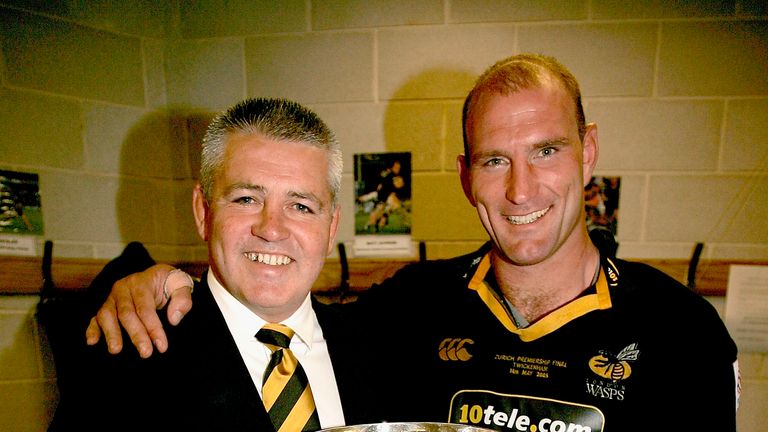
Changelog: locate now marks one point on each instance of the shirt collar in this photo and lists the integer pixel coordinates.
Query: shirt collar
(244, 323)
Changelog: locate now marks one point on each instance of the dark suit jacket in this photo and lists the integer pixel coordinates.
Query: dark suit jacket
(201, 382)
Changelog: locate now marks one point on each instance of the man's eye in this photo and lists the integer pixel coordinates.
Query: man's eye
(494, 162)
(303, 208)
(547, 151)
(245, 200)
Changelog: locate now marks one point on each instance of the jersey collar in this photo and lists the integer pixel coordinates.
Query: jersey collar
(598, 299)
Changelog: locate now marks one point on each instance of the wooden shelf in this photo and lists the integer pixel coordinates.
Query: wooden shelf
(23, 275)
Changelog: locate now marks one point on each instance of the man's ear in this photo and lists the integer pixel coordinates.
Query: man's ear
(590, 152)
(334, 225)
(463, 169)
(201, 211)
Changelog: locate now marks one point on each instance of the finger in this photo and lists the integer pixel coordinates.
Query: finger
(93, 332)
(146, 306)
(136, 331)
(106, 319)
(177, 288)
(124, 296)
(179, 304)
(138, 296)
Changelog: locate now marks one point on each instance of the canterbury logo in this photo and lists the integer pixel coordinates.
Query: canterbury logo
(454, 349)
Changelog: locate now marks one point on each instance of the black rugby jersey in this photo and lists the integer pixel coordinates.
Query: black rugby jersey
(638, 351)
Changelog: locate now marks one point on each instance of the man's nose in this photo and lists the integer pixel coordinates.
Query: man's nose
(521, 184)
(270, 223)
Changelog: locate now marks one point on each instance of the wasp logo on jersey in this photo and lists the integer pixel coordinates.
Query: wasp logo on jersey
(613, 367)
(454, 349)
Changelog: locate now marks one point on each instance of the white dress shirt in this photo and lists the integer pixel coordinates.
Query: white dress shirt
(308, 345)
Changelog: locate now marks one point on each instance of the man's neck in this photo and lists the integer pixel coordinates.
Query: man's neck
(538, 289)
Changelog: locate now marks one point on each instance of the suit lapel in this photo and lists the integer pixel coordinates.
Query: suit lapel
(223, 389)
(219, 391)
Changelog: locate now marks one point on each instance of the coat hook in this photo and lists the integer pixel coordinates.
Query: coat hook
(693, 264)
(344, 285)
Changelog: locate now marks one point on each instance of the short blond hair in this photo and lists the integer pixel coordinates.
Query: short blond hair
(519, 72)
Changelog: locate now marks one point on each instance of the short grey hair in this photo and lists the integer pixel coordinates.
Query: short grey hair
(279, 119)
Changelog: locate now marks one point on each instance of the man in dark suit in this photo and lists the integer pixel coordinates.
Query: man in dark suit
(266, 204)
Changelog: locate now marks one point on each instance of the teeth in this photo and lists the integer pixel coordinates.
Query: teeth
(268, 259)
(529, 218)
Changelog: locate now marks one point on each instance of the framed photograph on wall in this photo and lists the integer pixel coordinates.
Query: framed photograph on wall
(21, 215)
(601, 198)
(383, 204)
(20, 209)
(383, 193)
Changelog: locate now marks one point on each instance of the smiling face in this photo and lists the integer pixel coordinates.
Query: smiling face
(527, 171)
(269, 223)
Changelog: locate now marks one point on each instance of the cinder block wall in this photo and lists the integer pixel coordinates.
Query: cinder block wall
(107, 102)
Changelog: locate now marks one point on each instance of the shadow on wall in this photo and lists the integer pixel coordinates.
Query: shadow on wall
(423, 116)
(30, 373)
(159, 165)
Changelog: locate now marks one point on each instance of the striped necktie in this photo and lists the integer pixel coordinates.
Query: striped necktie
(286, 393)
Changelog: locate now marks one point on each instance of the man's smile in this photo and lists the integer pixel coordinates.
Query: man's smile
(528, 218)
(269, 259)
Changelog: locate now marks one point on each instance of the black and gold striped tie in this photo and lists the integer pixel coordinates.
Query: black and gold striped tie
(286, 393)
